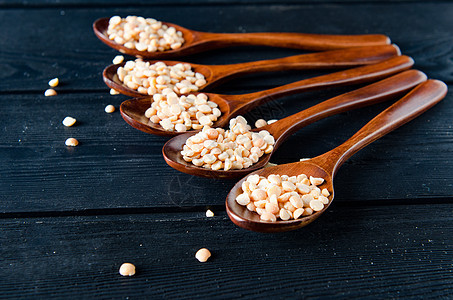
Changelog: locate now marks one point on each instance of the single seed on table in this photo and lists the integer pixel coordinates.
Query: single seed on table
(71, 142)
(209, 213)
(54, 82)
(127, 269)
(114, 92)
(118, 59)
(109, 109)
(50, 92)
(203, 255)
(69, 121)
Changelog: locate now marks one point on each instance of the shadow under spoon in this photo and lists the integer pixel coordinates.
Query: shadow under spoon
(326, 165)
(133, 110)
(381, 91)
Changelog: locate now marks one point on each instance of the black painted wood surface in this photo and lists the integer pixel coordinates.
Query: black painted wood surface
(70, 216)
(386, 252)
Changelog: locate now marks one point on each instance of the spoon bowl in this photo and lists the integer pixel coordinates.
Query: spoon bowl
(245, 218)
(419, 100)
(133, 110)
(378, 92)
(215, 74)
(197, 41)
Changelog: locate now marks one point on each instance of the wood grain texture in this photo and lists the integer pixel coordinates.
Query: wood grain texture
(350, 252)
(117, 166)
(78, 58)
(70, 217)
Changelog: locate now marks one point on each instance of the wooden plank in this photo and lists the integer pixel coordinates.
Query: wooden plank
(116, 166)
(118, 3)
(351, 252)
(59, 42)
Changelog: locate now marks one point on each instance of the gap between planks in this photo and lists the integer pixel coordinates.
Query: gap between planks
(215, 208)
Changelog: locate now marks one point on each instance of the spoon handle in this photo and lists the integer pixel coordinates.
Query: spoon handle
(358, 75)
(419, 100)
(343, 58)
(304, 41)
(371, 94)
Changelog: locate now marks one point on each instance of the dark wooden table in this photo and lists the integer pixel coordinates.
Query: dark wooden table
(69, 217)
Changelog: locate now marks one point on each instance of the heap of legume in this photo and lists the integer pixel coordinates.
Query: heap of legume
(150, 79)
(284, 197)
(181, 113)
(144, 34)
(237, 148)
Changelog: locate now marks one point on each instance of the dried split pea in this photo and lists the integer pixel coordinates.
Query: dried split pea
(50, 92)
(118, 59)
(109, 109)
(203, 255)
(54, 82)
(114, 92)
(127, 269)
(69, 121)
(283, 197)
(260, 123)
(71, 142)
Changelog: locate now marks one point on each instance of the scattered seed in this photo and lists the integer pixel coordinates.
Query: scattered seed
(54, 82)
(202, 255)
(69, 121)
(109, 109)
(114, 92)
(127, 269)
(71, 142)
(50, 92)
(209, 213)
(118, 59)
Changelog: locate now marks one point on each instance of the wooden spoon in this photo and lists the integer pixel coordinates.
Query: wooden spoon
(280, 130)
(133, 111)
(215, 74)
(196, 41)
(409, 107)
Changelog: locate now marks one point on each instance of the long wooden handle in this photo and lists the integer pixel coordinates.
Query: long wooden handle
(358, 75)
(374, 93)
(419, 100)
(304, 41)
(343, 58)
